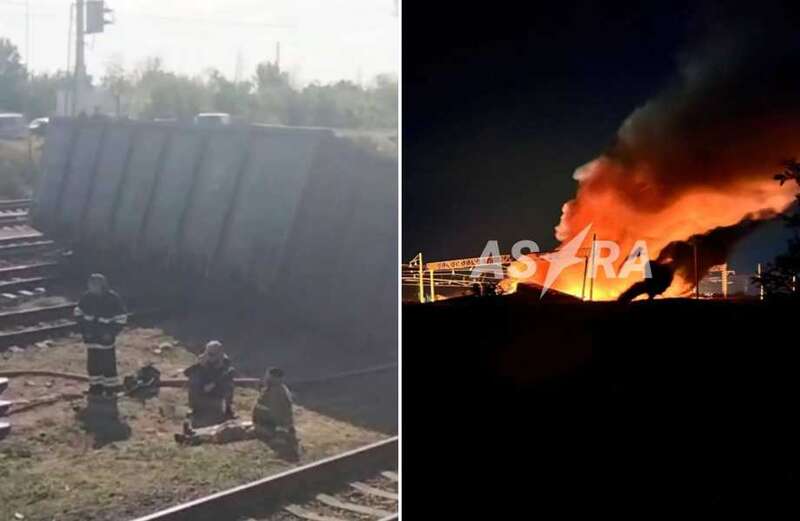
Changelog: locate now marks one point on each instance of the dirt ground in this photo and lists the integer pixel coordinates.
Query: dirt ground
(59, 464)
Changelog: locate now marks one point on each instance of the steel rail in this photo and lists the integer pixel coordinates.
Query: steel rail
(8, 286)
(15, 271)
(36, 315)
(14, 204)
(29, 236)
(32, 335)
(12, 219)
(24, 248)
(266, 495)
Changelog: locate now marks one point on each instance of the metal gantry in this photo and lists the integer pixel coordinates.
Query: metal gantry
(456, 273)
(467, 272)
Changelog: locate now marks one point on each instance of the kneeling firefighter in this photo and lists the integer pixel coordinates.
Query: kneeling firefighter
(273, 415)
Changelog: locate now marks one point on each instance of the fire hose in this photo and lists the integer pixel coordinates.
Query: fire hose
(182, 382)
(168, 383)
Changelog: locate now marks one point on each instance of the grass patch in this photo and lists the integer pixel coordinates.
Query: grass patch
(18, 168)
(52, 468)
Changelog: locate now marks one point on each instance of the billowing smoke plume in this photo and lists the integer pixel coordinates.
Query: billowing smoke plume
(710, 249)
(701, 155)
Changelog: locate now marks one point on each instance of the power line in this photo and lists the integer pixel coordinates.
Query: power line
(210, 21)
(176, 19)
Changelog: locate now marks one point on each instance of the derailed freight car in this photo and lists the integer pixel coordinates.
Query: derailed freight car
(297, 218)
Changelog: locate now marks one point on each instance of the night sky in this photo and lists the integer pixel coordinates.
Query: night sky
(500, 106)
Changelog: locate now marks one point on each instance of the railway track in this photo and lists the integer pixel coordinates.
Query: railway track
(28, 265)
(361, 484)
(15, 204)
(20, 234)
(13, 217)
(28, 326)
(29, 261)
(16, 247)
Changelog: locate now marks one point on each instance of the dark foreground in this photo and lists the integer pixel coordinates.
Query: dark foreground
(674, 405)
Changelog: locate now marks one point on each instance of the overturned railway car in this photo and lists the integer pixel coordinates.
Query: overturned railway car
(296, 222)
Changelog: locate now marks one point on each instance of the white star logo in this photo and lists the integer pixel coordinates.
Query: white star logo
(563, 258)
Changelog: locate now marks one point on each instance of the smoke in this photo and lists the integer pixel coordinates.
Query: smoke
(711, 249)
(700, 156)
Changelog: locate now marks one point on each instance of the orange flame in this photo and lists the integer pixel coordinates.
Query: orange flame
(614, 217)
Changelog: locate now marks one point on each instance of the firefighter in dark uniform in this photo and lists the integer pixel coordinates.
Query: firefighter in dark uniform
(273, 421)
(101, 315)
(211, 385)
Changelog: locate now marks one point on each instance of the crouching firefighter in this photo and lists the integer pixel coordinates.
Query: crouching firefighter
(273, 422)
(211, 386)
(101, 315)
(273, 415)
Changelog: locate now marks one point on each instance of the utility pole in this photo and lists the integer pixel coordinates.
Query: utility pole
(28, 34)
(278, 56)
(592, 270)
(80, 63)
(421, 280)
(696, 271)
(725, 280)
(585, 269)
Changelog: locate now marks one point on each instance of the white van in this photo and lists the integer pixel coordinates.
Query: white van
(13, 126)
(212, 119)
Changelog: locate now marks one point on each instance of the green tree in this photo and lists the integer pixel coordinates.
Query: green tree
(42, 92)
(161, 94)
(13, 76)
(229, 96)
(269, 76)
(779, 278)
(274, 99)
(117, 82)
(385, 101)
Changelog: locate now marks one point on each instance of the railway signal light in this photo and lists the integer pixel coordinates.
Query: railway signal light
(96, 20)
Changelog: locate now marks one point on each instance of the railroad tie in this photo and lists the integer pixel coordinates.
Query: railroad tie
(389, 475)
(372, 491)
(308, 514)
(352, 507)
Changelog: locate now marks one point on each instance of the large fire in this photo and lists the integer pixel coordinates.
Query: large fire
(696, 212)
(699, 157)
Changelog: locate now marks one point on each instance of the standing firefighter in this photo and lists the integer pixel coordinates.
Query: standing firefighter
(101, 315)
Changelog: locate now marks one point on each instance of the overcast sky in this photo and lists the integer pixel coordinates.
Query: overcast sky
(324, 40)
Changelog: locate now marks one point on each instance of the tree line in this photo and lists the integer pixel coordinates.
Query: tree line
(150, 91)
